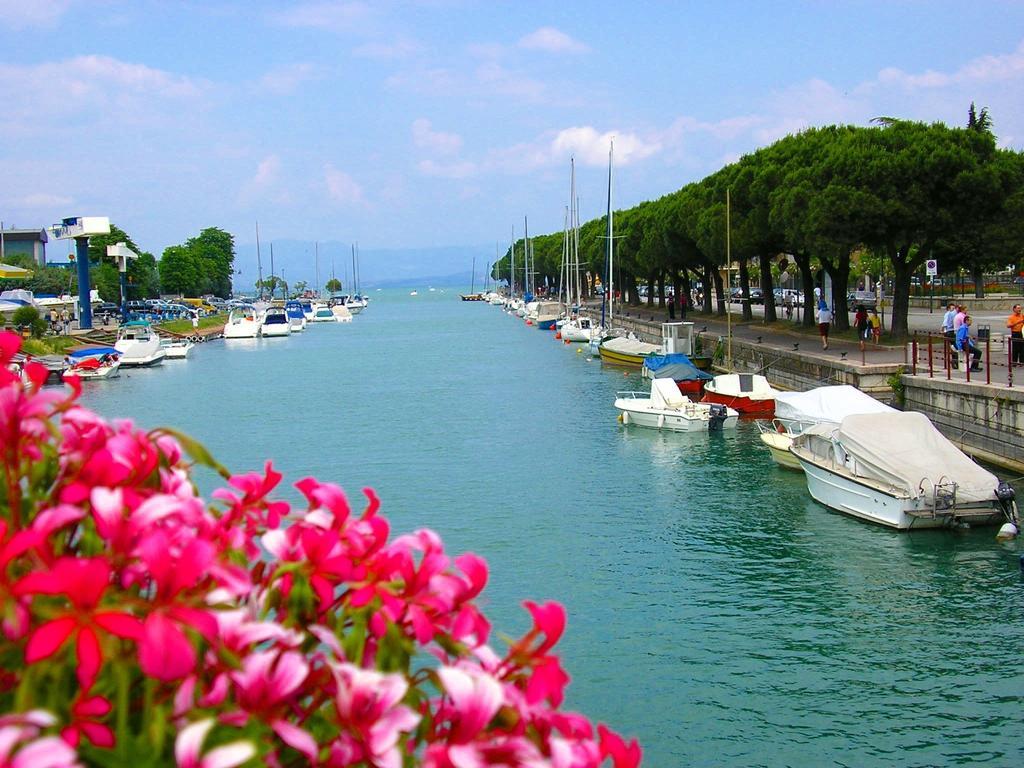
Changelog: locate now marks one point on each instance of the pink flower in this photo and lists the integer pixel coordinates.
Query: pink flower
(476, 698)
(190, 741)
(369, 707)
(82, 582)
(23, 730)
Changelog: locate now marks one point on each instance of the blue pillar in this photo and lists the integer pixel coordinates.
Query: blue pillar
(124, 294)
(84, 307)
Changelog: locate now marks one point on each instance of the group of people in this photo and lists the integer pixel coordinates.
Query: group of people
(956, 328)
(60, 321)
(868, 325)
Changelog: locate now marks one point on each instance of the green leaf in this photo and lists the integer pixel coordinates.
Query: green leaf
(196, 450)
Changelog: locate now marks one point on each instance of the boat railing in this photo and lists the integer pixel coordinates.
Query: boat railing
(784, 426)
(633, 395)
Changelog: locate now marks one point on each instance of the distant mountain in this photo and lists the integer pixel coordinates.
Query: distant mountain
(294, 261)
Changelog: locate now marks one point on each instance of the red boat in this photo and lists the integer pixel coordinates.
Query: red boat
(681, 369)
(747, 393)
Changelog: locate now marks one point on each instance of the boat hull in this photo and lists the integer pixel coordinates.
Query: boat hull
(758, 408)
(546, 324)
(854, 497)
(109, 371)
(669, 420)
(280, 329)
(612, 357)
(128, 361)
(778, 445)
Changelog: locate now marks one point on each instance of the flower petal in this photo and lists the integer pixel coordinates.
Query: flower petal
(48, 639)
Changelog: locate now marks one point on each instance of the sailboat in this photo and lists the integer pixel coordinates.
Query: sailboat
(472, 295)
(575, 327)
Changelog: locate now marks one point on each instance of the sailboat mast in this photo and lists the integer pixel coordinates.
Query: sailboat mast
(526, 259)
(259, 263)
(359, 284)
(611, 240)
(274, 286)
(512, 266)
(316, 262)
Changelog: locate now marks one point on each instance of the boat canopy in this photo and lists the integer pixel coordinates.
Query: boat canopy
(665, 394)
(629, 346)
(676, 366)
(92, 352)
(831, 404)
(905, 450)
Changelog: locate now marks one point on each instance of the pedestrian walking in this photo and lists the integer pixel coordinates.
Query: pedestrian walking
(1015, 322)
(947, 323)
(876, 326)
(860, 322)
(824, 321)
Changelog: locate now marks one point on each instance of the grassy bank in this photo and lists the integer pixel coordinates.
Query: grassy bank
(185, 326)
(49, 345)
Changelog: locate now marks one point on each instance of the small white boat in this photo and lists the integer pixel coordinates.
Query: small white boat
(138, 344)
(323, 314)
(243, 323)
(296, 317)
(579, 329)
(341, 313)
(414, 293)
(275, 323)
(176, 349)
(896, 469)
(748, 393)
(665, 407)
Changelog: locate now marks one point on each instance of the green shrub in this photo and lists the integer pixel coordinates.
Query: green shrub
(28, 317)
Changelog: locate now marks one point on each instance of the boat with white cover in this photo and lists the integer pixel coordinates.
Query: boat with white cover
(275, 323)
(897, 470)
(243, 323)
(748, 393)
(665, 407)
(323, 314)
(341, 313)
(138, 344)
(296, 317)
(626, 350)
(796, 411)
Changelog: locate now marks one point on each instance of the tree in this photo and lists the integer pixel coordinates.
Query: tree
(333, 285)
(179, 271)
(980, 122)
(214, 252)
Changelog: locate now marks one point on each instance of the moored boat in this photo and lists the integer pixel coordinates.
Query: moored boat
(665, 407)
(243, 323)
(688, 377)
(897, 470)
(138, 344)
(176, 349)
(275, 323)
(296, 317)
(93, 362)
(323, 314)
(626, 351)
(748, 393)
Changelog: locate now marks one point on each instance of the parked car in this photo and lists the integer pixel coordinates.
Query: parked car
(108, 307)
(756, 296)
(866, 299)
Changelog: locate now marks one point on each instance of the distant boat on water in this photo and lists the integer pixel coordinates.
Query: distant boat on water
(414, 293)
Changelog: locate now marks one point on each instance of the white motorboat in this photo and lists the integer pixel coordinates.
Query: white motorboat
(243, 323)
(896, 469)
(341, 313)
(748, 393)
(296, 317)
(323, 314)
(93, 363)
(138, 344)
(176, 349)
(579, 329)
(275, 323)
(796, 411)
(665, 407)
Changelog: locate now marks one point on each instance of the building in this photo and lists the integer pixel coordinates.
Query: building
(24, 242)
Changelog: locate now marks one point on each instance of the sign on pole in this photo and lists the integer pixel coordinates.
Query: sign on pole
(932, 266)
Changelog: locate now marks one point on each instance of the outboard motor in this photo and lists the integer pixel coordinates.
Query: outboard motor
(1007, 496)
(717, 415)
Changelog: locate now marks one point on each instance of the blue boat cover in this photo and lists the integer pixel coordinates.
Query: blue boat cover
(676, 367)
(93, 352)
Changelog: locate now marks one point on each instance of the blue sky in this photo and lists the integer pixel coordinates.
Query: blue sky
(436, 123)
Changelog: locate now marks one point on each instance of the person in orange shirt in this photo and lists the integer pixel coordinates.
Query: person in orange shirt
(1015, 323)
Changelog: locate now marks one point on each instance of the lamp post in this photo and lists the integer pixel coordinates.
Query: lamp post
(122, 253)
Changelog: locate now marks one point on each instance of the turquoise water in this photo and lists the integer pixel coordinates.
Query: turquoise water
(715, 611)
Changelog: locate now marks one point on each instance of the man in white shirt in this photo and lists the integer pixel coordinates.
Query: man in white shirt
(947, 322)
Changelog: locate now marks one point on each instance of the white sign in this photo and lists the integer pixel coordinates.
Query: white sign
(932, 266)
(80, 226)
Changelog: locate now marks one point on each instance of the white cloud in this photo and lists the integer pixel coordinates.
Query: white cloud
(494, 79)
(45, 200)
(591, 147)
(265, 183)
(988, 69)
(425, 137)
(286, 79)
(551, 40)
(328, 16)
(19, 14)
(341, 187)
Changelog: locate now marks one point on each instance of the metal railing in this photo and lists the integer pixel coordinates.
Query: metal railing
(933, 354)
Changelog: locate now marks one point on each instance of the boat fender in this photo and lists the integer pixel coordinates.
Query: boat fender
(558, 334)
(625, 417)
(578, 351)
(1006, 532)
(661, 420)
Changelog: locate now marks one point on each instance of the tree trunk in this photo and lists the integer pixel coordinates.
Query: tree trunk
(716, 276)
(840, 274)
(650, 290)
(706, 281)
(803, 262)
(747, 312)
(978, 275)
(767, 289)
(902, 268)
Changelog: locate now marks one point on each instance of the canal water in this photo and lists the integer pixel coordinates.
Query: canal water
(715, 611)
